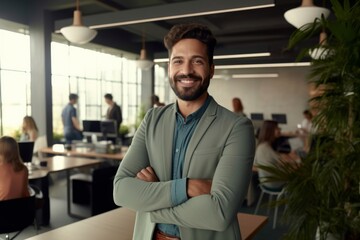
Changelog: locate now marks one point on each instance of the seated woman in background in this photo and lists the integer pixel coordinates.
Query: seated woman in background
(13, 173)
(266, 155)
(29, 130)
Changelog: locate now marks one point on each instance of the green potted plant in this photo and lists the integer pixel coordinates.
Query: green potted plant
(323, 191)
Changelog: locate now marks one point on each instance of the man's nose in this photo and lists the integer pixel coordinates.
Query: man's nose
(187, 68)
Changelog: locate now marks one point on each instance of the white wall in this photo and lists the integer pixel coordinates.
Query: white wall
(286, 94)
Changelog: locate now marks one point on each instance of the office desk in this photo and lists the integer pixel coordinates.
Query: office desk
(58, 149)
(118, 224)
(40, 177)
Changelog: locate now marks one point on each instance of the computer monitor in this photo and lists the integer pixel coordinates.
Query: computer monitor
(91, 127)
(279, 117)
(109, 129)
(26, 151)
(257, 116)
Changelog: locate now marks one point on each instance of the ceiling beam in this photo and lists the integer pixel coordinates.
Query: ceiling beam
(166, 11)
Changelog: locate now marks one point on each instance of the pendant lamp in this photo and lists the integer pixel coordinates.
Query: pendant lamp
(78, 33)
(144, 63)
(320, 52)
(305, 14)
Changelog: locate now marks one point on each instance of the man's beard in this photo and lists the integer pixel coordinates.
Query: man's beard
(191, 93)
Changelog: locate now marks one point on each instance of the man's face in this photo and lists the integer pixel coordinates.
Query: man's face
(74, 101)
(189, 70)
(108, 101)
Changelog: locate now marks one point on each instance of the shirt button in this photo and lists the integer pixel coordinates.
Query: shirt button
(177, 150)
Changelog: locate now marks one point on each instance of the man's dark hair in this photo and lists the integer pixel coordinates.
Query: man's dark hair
(192, 31)
(73, 96)
(108, 96)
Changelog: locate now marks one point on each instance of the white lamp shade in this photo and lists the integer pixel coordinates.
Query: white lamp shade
(78, 34)
(300, 16)
(144, 64)
(319, 53)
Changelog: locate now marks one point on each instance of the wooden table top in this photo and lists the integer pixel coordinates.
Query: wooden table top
(118, 224)
(59, 149)
(61, 163)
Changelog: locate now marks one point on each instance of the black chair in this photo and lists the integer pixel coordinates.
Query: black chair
(17, 214)
(95, 190)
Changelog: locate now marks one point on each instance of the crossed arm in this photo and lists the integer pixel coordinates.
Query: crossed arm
(195, 187)
(212, 204)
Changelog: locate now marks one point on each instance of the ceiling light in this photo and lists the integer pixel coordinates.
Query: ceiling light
(306, 13)
(174, 16)
(144, 63)
(245, 55)
(320, 52)
(77, 33)
(265, 65)
(256, 75)
(229, 56)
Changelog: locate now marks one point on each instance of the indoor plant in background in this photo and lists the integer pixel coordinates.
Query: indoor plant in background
(324, 190)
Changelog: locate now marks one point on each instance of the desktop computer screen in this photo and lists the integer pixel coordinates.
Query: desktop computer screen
(257, 116)
(279, 117)
(26, 151)
(109, 128)
(91, 127)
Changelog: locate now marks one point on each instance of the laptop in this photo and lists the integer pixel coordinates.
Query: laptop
(26, 150)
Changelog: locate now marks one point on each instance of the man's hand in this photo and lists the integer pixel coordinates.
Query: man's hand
(197, 187)
(147, 175)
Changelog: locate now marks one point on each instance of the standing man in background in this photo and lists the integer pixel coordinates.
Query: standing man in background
(72, 129)
(114, 111)
(189, 165)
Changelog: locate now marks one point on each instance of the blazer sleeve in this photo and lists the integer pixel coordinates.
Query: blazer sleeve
(229, 186)
(133, 193)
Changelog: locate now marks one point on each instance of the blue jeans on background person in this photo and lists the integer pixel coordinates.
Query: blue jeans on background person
(74, 135)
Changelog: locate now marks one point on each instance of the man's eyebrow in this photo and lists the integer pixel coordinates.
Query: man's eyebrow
(176, 57)
(192, 57)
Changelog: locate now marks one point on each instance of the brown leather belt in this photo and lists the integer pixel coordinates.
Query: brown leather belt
(159, 235)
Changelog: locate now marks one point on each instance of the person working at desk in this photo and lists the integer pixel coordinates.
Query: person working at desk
(189, 165)
(114, 110)
(266, 154)
(72, 130)
(238, 107)
(30, 131)
(156, 101)
(13, 173)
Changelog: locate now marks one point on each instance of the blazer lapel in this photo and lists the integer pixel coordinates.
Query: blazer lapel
(204, 123)
(168, 138)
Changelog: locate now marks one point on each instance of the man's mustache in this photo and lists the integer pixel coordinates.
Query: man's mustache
(188, 76)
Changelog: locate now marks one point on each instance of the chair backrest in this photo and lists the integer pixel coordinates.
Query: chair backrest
(16, 214)
(102, 189)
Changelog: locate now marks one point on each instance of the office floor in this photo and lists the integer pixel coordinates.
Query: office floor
(59, 216)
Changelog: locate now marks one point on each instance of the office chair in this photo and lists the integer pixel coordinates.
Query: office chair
(17, 214)
(95, 190)
(272, 192)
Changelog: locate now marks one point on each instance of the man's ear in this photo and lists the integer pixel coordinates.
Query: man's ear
(212, 70)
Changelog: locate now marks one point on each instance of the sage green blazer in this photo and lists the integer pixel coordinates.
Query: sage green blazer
(222, 149)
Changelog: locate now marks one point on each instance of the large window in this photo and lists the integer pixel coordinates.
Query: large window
(161, 85)
(91, 74)
(14, 81)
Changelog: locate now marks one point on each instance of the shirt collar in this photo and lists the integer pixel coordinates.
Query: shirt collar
(198, 113)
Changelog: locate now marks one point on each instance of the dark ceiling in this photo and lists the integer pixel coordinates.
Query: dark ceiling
(248, 31)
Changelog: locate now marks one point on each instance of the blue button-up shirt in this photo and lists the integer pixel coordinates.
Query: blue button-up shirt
(184, 130)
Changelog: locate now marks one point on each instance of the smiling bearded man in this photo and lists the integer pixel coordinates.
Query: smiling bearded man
(189, 165)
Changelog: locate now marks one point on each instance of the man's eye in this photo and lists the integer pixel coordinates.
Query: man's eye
(198, 61)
